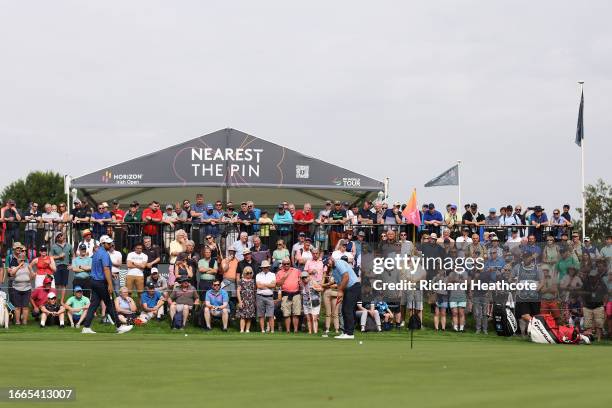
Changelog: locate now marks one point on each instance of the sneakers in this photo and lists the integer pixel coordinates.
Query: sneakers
(345, 336)
(87, 330)
(124, 328)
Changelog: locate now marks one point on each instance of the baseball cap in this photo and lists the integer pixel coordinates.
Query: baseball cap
(337, 202)
(154, 270)
(51, 295)
(586, 239)
(495, 238)
(433, 235)
(43, 248)
(397, 204)
(209, 206)
(492, 210)
(304, 274)
(301, 234)
(77, 289)
(169, 207)
(280, 206)
(86, 232)
(182, 279)
(18, 244)
(76, 201)
(115, 202)
(246, 251)
(134, 204)
(47, 280)
(345, 203)
(105, 239)
(453, 206)
(83, 246)
(150, 285)
(328, 202)
(265, 264)
(361, 234)
(431, 206)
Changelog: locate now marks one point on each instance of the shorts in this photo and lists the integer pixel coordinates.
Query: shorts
(291, 307)
(441, 301)
(457, 304)
(593, 318)
(216, 313)
(530, 308)
(180, 307)
(265, 306)
(61, 275)
(52, 321)
(20, 298)
(315, 310)
(411, 297)
(76, 317)
(394, 307)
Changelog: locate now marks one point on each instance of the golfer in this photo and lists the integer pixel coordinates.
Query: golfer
(102, 287)
(349, 293)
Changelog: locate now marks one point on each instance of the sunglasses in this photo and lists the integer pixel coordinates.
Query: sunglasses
(209, 237)
(286, 264)
(248, 273)
(100, 208)
(216, 286)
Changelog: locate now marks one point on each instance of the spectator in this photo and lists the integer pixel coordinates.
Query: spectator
(116, 260)
(314, 266)
(281, 252)
(365, 311)
(32, 218)
(45, 266)
(39, 295)
(198, 209)
(240, 245)
(321, 233)
(384, 313)
(20, 275)
(152, 303)
(473, 219)
(445, 238)
(551, 254)
(527, 302)
(153, 253)
(160, 283)
(125, 307)
(214, 249)
(310, 291)
(182, 299)
(299, 245)
(211, 219)
(463, 241)
(282, 221)
(549, 293)
(100, 219)
(182, 268)
(216, 305)
(192, 259)
(246, 299)
(457, 301)
(606, 252)
(433, 219)
(50, 219)
(411, 300)
(90, 243)
(538, 222)
(392, 216)
(566, 214)
(565, 262)
(176, 247)
(246, 218)
(229, 268)
(136, 263)
(288, 278)
(117, 212)
(533, 249)
(493, 266)
(80, 218)
(595, 295)
(590, 248)
(453, 221)
(256, 212)
(152, 216)
(169, 219)
(559, 224)
(230, 221)
(52, 312)
(570, 286)
(247, 261)
(207, 268)
(265, 225)
(492, 220)
(81, 266)
(61, 252)
(76, 307)
(133, 221)
(476, 250)
(265, 282)
(11, 217)
(480, 302)
(258, 246)
(337, 219)
(304, 219)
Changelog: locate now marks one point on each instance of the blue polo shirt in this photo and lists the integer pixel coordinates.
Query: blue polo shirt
(199, 209)
(436, 216)
(98, 229)
(208, 228)
(150, 300)
(217, 299)
(340, 269)
(99, 260)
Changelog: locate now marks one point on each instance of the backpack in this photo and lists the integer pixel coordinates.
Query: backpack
(177, 322)
(543, 329)
(198, 316)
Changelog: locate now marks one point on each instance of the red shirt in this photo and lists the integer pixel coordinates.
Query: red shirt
(292, 283)
(119, 214)
(151, 229)
(300, 215)
(39, 295)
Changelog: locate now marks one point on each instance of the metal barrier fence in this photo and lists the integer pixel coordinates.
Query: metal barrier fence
(324, 236)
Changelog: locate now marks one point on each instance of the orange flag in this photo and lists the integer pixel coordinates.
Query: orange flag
(411, 212)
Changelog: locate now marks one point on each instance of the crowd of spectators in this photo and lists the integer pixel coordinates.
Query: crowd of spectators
(229, 262)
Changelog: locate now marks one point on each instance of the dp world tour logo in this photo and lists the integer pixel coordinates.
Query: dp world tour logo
(347, 181)
(106, 176)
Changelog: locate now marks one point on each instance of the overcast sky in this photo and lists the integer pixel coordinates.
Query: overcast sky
(393, 88)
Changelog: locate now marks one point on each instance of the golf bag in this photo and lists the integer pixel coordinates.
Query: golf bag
(503, 316)
(177, 322)
(543, 329)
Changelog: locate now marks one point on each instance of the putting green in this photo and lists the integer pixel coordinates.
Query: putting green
(153, 367)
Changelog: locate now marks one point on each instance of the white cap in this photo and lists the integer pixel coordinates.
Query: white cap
(51, 295)
(105, 239)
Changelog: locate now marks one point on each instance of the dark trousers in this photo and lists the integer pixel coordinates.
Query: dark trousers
(99, 293)
(351, 296)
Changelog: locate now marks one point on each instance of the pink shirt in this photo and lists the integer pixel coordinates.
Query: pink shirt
(292, 283)
(315, 266)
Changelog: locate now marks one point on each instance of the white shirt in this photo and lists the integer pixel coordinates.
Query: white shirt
(138, 258)
(90, 246)
(306, 256)
(265, 278)
(239, 247)
(115, 257)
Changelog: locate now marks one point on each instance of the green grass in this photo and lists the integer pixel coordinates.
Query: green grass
(154, 367)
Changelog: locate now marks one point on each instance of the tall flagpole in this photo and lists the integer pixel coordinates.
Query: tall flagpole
(459, 205)
(581, 85)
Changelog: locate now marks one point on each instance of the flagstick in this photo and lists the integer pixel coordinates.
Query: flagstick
(459, 205)
(581, 83)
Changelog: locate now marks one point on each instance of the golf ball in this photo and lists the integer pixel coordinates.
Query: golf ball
(361, 342)
(185, 334)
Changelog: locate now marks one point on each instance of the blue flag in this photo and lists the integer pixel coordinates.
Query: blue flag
(580, 127)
